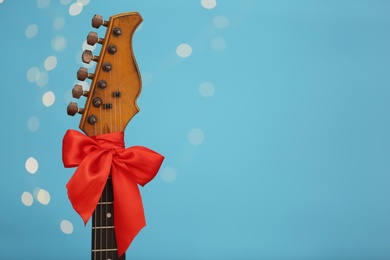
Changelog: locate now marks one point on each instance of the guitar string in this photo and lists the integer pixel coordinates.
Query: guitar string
(111, 129)
(94, 217)
(114, 98)
(107, 185)
(108, 189)
(100, 206)
(100, 229)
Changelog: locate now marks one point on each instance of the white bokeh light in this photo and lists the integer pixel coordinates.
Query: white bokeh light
(84, 84)
(83, 2)
(43, 196)
(43, 3)
(48, 98)
(168, 174)
(66, 227)
(33, 123)
(206, 89)
(1, 1)
(196, 136)
(59, 23)
(33, 74)
(59, 43)
(218, 44)
(31, 165)
(184, 50)
(86, 46)
(31, 30)
(208, 4)
(50, 63)
(75, 9)
(220, 21)
(27, 198)
(43, 79)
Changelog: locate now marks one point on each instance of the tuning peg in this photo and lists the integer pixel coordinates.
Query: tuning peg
(78, 91)
(93, 38)
(83, 74)
(97, 21)
(72, 109)
(88, 57)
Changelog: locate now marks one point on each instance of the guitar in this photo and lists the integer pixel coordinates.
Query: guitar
(110, 105)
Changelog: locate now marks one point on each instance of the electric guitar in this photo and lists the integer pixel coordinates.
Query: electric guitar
(110, 105)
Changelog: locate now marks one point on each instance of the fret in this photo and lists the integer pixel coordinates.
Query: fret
(104, 250)
(102, 227)
(104, 245)
(106, 255)
(105, 203)
(104, 215)
(107, 195)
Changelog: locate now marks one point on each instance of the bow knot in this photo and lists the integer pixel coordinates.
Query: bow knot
(96, 158)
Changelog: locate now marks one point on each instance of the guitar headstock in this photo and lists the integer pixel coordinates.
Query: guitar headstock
(116, 82)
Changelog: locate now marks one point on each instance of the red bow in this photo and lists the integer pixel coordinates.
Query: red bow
(97, 157)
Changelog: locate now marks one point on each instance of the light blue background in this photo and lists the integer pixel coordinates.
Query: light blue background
(294, 163)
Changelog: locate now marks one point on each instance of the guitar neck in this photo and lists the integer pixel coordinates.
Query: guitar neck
(104, 245)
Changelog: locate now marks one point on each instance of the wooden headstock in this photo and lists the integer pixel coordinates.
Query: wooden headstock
(116, 83)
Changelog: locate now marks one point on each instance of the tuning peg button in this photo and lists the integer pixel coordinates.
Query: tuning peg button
(78, 91)
(83, 74)
(88, 57)
(93, 38)
(73, 109)
(97, 21)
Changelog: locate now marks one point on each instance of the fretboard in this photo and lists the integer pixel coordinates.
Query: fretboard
(103, 237)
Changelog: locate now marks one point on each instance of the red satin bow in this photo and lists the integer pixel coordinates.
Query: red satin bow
(97, 157)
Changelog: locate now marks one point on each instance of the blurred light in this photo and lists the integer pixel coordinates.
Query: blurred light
(218, 44)
(83, 2)
(59, 43)
(43, 3)
(66, 227)
(33, 74)
(184, 50)
(31, 165)
(27, 198)
(33, 123)
(43, 79)
(31, 30)
(43, 196)
(1, 1)
(84, 84)
(59, 23)
(220, 21)
(196, 136)
(168, 174)
(75, 9)
(50, 63)
(48, 98)
(209, 4)
(206, 89)
(86, 46)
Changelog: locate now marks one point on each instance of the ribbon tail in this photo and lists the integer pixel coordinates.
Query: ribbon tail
(129, 215)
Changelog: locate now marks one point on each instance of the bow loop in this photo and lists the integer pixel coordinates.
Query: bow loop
(99, 156)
